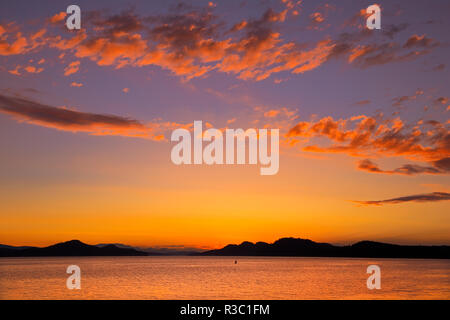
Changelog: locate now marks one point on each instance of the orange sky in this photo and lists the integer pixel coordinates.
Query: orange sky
(86, 118)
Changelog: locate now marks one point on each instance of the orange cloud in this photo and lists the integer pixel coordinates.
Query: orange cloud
(271, 113)
(72, 68)
(118, 51)
(369, 136)
(19, 46)
(67, 44)
(317, 17)
(58, 17)
(15, 71)
(76, 84)
(191, 44)
(187, 45)
(31, 69)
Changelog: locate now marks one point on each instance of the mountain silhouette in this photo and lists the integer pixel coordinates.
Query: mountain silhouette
(294, 247)
(284, 247)
(69, 248)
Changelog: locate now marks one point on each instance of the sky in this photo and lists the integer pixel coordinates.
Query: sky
(86, 118)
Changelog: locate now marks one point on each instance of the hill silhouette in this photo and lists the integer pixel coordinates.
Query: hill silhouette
(284, 247)
(294, 247)
(69, 248)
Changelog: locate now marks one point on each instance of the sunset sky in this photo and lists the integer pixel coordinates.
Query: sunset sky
(86, 118)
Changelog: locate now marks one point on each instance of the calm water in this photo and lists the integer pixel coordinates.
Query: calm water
(220, 278)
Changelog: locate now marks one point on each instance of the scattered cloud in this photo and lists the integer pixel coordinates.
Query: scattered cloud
(58, 17)
(439, 67)
(422, 41)
(399, 101)
(362, 135)
(441, 100)
(76, 84)
(32, 69)
(271, 113)
(72, 68)
(191, 43)
(280, 80)
(363, 102)
(15, 71)
(20, 44)
(363, 55)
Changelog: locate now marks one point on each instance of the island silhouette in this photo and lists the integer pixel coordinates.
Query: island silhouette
(69, 248)
(295, 247)
(284, 247)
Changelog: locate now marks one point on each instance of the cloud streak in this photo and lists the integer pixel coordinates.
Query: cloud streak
(28, 111)
(427, 197)
(441, 166)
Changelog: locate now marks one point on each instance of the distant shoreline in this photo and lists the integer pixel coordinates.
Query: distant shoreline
(284, 247)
